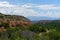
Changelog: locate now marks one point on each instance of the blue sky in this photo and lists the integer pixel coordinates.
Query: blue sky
(33, 1)
(31, 8)
(57, 2)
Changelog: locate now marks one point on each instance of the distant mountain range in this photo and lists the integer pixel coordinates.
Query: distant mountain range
(34, 18)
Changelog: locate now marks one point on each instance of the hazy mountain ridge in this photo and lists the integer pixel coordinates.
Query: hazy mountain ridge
(48, 22)
(34, 18)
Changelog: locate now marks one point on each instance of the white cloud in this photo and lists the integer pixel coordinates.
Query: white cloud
(48, 10)
(18, 10)
(24, 10)
(48, 7)
(7, 8)
(44, 6)
(6, 4)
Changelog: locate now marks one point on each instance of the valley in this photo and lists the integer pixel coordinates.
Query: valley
(13, 27)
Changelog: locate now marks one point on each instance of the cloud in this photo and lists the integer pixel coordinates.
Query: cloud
(7, 8)
(25, 10)
(44, 6)
(45, 10)
(48, 7)
(5, 4)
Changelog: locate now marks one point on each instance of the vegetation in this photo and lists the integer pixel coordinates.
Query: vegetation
(42, 32)
(49, 30)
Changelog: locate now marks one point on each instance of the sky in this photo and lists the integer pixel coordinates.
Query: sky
(31, 8)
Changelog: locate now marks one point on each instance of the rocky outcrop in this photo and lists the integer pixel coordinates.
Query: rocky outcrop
(28, 34)
(13, 20)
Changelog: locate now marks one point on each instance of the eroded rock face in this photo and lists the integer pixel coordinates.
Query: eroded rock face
(13, 20)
